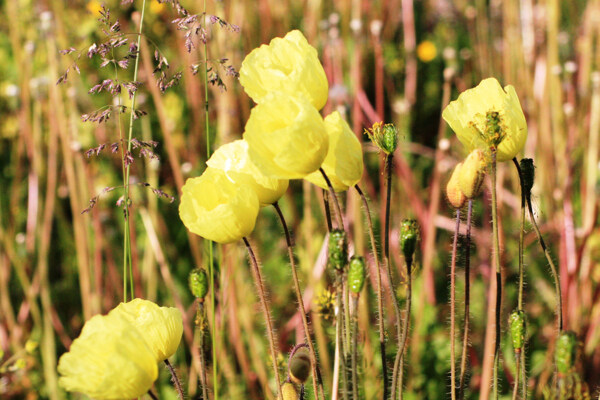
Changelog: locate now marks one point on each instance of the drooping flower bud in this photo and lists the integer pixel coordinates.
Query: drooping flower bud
(472, 174)
(528, 174)
(299, 364)
(517, 321)
(356, 274)
(409, 236)
(566, 351)
(338, 249)
(456, 197)
(198, 282)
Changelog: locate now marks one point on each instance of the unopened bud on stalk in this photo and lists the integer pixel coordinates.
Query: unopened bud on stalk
(299, 364)
(338, 249)
(409, 236)
(288, 391)
(198, 282)
(528, 174)
(566, 351)
(356, 274)
(455, 196)
(472, 174)
(517, 322)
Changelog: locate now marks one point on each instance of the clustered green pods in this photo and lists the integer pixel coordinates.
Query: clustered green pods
(338, 249)
(517, 322)
(566, 351)
(409, 236)
(356, 274)
(198, 282)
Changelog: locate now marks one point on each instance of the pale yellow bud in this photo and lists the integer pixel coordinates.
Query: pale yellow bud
(455, 196)
(472, 174)
(289, 391)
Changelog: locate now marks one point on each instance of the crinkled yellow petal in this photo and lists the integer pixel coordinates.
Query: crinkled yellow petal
(216, 209)
(344, 162)
(233, 159)
(288, 65)
(162, 327)
(109, 360)
(467, 117)
(286, 137)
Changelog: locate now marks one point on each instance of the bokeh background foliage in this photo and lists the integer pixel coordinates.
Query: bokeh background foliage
(398, 61)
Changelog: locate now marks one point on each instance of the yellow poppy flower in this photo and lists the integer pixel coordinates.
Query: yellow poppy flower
(233, 159)
(426, 51)
(286, 137)
(217, 209)
(288, 65)
(470, 116)
(344, 162)
(109, 360)
(162, 327)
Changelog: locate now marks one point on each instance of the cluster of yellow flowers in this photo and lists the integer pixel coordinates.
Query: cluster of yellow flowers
(284, 138)
(485, 118)
(116, 355)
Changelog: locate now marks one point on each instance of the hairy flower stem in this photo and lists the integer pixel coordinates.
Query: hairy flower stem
(405, 328)
(336, 203)
(152, 395)
(210, 243)
(339, 326)
(265, 306)
(354, 336)
(496, 244)
(465, 344)
(379, 291)
(127, 266)
(327, 210)
(316, 373)
(516, 383)
(175, 380)
(559, 317)
(453, 309)
(200, 323)
(396, 382)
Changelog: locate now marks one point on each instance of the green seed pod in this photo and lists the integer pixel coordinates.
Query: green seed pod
(409, 236)
(299, 364)
(566, 351)
(198, 282)
(338, 249)
(356, 274)
(288, 391)
(390, 138)
(517, 322)
(528, 173)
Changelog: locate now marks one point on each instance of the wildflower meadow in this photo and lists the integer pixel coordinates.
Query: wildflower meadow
(294, 200)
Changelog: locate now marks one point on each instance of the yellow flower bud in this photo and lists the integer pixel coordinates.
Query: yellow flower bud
(217, 209)
(344, 162)
(455, 196)
(234, 161)
(286, 137)
(109, 360)
(161, 327)
(472, 174)
(289, 65)
(289, 391)
(468, 118)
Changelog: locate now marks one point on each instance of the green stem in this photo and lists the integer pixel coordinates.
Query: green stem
(453, 309)
(316, 374)
(406, 324)
(327, 210)
(386, 238)
(496, 244)
(339, 324)
(524, 375)
(265, 306)
(210, 243)
(516, 385)
(465, 345)
(379, 291)
(354, 336)
(200, 320)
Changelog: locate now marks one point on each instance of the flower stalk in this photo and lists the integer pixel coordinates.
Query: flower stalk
(465, 344)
